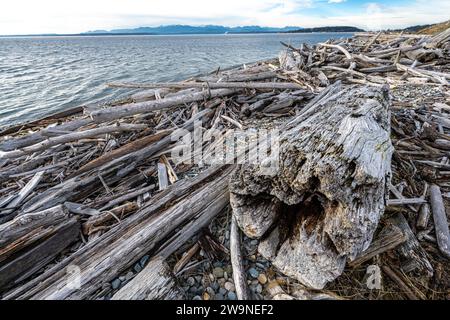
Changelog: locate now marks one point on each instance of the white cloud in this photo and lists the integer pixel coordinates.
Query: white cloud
(336, 1)
(56, 16)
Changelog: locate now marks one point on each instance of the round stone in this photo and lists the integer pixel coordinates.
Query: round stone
(253, 273)
(218, 272)
(116, 284)
(190, 281)
(231, 295)
(262, 278)
(229, 286)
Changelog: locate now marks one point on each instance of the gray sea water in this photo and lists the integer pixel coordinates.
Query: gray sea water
(43, 75)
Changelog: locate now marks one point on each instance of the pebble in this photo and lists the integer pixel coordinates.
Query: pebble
(221, 282)
(193, 290)
(229, 286)
(218, 272)
(137, 267)
(215, 286)
(253, 272)
(206, 296)
(211, 277)
(258, 288)
(210, 291)
(262, 278)
(231, 295)
(129, 276)
(190, 281)
(122, 278)
(229, 269)
(144, 260)
(254, 242)
(116, 284)
(218, 264)
(197, 298)
(225, 275)
(222, 291)
(198, 278)
(219, 296)
(260, 265)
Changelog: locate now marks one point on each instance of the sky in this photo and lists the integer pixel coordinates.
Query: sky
(75, 16)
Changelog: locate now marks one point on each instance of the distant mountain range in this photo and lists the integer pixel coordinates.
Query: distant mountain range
(185, 29)
(328, 29)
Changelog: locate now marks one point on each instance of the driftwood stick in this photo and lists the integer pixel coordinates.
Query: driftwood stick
(131, 109)
(163, 181)
(124, 150)
(405, 201)
(29, 187)
(403, 286)
(414, 257)
(126, 197)
(440, 220)
(50, 142)
(185, 258)
(12, 144)
(389, 238)
(340, 48)
(212, 85)
(239, 277)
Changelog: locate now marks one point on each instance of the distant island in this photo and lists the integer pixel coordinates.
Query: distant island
(186, 29)
(328, 29)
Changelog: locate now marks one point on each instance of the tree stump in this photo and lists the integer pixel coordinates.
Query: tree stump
(323, 204)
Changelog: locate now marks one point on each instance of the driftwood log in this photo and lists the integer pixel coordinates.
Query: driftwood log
(154, 282)
(324, 202)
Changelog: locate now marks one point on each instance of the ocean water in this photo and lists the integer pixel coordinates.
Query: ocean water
(43, 75)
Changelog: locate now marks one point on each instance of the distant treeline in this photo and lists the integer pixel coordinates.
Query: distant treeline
(328, 29)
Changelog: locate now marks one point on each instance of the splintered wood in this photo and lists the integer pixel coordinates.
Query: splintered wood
(362, 179)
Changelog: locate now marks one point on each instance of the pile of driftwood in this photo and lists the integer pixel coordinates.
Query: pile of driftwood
(86, 193)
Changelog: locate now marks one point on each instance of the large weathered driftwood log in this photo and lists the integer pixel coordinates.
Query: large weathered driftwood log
(322, 206)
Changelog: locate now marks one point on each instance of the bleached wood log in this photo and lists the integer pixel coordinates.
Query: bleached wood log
(239, 277)
(50, 142)
(440, 220)
(163, 181)
(211, 85)
(154, 282)
(323, 203)
(340, 48)
(13, 144)
(239, 77)
(128, 110)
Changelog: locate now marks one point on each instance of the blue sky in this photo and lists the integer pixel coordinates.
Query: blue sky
(73, 16)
